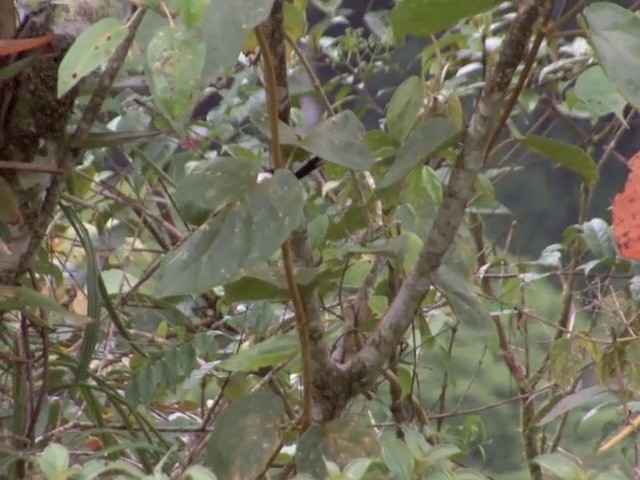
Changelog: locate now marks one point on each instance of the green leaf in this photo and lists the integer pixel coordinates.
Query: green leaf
(9, 209)
(356, 469)
(340, 140)
(165, 371)
(571, 402)
(426, 17)
(397, 456)
(559, 465)
(270, 283)
(245, 437)
(228, 25)
(611, 476)
(596, 94)
(212, 185)
(422, 142)
(273, 351)
(405, 107)
(198, 472)
(192, 11)
(16, 298)
(437, 453)
(339, 441)
(459, 293)
(566, 362)
(54, 461)
(241, 236)
(175, 58)
(90, 50)
(599, 238)
(569, 156)
(614, 33)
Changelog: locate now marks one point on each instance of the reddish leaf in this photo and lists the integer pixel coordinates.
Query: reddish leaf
(626, 213)
(9, 47)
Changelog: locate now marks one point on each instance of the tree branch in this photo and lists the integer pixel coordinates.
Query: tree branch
(366, 365)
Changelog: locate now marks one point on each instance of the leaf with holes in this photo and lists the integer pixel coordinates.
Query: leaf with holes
(243, 234)
(90, 50)
(175, 58)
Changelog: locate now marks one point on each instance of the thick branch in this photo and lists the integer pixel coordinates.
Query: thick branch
(366, 365)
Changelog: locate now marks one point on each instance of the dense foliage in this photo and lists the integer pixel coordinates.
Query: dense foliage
(236, 244)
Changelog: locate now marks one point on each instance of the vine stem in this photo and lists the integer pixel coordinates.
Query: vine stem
(287, 253)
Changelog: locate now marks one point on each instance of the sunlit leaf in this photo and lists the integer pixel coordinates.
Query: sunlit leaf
(54, 461)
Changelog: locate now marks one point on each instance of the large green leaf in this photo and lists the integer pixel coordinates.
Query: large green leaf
(421, 143)
(175, 58)
(463, 301)
(405, 107)
(560, 465)
(245, 437)
(566, 362)
(272, 351)
(228, 25)
(425, 17)
(614, 33)
(212, 185)
(90, 50)
(192, 11)
(270, 283)
(596, 94)
(339, 441)
(243, 234)
(569, 156)
(340, 139)
(599, 238)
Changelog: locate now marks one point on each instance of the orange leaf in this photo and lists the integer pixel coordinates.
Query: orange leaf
(8, 47)
(626, 213)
